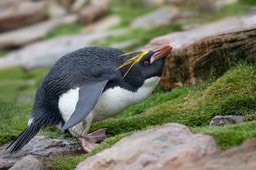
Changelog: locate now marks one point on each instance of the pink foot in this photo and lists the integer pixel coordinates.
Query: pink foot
(89, 142)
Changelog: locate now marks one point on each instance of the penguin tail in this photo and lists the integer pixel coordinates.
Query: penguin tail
(24, 138)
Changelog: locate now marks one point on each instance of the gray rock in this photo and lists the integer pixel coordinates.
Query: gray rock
(21, 13)
(210, 6)
(124, 44)
(221, 3)
(207, 51)
(153, 149)
(42, 146)
(55, 9)
(94, 11)
(31, 162)
(78, 5)
(226, 120)
(162, 16)
(33, 33)
(46, 53)
(102, 24)
(7, 3)
(67, 4)
(153, 2)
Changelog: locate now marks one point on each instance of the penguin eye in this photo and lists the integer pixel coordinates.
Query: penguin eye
(146, 63)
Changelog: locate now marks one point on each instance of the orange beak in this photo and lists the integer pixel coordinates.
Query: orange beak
(161, 52)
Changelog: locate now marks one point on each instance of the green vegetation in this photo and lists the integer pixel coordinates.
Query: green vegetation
(68, 29)
(229, 136)
(248, 2)
(235, 9)
(17, 82)
(3, 52)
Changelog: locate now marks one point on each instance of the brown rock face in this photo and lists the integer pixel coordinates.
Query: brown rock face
(207, 51)
(170, 144)
(21, 13)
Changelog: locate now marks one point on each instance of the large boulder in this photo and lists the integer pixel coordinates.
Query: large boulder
(207, 51)
(21, 13)
(159, 148)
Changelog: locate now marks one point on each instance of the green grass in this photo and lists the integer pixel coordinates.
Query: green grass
(13, 120)
(16, 82)
(68, 29)
(229, 136)
(248, 2)
(4, 52)
(235, 9)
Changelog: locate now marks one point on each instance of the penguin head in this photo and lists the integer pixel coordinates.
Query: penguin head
(141, 65)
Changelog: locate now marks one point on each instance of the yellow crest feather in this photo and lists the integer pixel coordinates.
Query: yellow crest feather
(134, 60)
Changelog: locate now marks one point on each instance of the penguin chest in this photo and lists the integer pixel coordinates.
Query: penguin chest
(117, 99)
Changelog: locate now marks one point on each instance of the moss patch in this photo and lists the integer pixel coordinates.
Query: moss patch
(231, 135)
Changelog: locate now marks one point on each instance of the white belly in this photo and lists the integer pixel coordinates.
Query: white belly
(117, 99)
(111, 102)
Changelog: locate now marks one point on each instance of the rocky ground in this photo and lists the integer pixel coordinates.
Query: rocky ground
(207, 88)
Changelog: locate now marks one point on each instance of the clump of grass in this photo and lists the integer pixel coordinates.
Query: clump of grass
(234, 93)
(13, 120)
(231, 135)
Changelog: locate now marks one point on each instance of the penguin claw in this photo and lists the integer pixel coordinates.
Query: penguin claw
(89, 142)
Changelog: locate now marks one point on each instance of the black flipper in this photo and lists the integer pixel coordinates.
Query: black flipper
(88, 98)
(24, 137)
